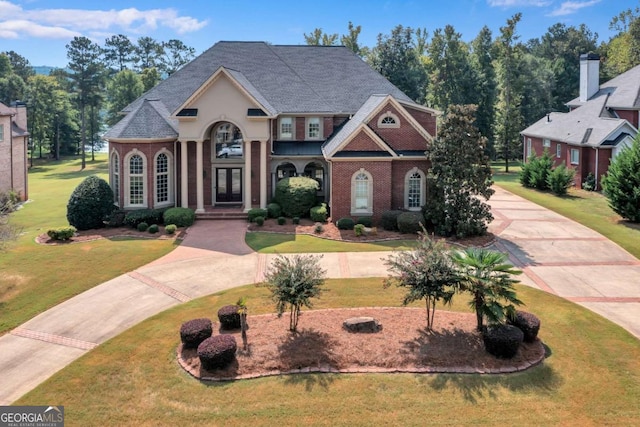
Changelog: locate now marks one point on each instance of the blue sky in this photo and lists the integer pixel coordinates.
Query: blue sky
(40, 29)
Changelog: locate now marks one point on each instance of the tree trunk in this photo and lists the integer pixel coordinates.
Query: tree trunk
(83, 138)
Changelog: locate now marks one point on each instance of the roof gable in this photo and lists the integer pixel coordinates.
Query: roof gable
(149, 120)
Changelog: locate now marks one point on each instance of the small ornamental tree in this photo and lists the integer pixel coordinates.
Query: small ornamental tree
(293, 281)
(90, 204)
(488, 278)
(459, 174)
(621, 184)
(427, 272)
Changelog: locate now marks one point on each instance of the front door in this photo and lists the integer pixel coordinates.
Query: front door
(228, 185)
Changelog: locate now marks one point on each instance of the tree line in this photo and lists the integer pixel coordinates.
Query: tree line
(512, 82)
(69, 109)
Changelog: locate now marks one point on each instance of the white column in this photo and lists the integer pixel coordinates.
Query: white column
(199, 178)
(247, 176)
(184, 175)
(263, 174)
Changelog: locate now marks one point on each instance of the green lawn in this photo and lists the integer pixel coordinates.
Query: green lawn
(36, 277)
(588, 208)
(269, 243)
(591, 377)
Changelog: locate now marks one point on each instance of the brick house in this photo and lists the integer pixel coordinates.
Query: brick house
(225, 128)
(13, 149)
(601, 121)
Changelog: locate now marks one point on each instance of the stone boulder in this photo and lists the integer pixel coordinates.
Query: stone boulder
(362, 324)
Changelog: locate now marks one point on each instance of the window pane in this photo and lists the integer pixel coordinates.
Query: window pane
(135, 165)
(314, 127)
(362, 192)
(414, 190)
(136, 190)
(286, 127)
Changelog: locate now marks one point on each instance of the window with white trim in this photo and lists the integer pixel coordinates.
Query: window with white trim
(558, 150)
(136, 179)
(115, 177)
(361, 193)
(575, 156)
(528, 147)
(388, 120)
(414, 189)
(546, 142)
(163, 179)
(286, 128)
(314, 128)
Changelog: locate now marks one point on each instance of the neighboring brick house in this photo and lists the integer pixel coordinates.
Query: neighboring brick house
(13, 149)
(227, 126)
(601, 121)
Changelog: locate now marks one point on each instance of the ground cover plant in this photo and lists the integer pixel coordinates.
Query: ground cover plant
(591, 376)
(36, 277)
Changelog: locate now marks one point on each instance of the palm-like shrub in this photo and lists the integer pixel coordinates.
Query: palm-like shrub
(90, 204)
(622, 183)
(488, 278)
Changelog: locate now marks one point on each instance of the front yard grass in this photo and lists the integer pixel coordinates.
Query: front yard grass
(591, 376)
(271, 243)
(588, 208)
(36, 277)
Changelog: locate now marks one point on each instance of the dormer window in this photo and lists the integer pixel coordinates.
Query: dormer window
(388, 120)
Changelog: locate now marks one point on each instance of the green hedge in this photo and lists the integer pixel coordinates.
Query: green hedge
(319, 213)
(390, 220)
(61, 233)
(345, 223)
(180, 217)
(150, 216)
(256, 212)
(296, 195)
(409, 222)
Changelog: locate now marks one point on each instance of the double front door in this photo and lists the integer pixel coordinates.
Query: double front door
(228, 185)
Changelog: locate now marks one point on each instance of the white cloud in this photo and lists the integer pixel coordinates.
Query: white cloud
(514, 3)
(571, 7)
(51, 22)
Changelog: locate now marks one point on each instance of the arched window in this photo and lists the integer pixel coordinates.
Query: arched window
(388, 120)
(228, 141)
(136, 172)
(315, 171)
(361, 193)
(414, 189)
(286, 170)
(115, 177)
(163, 180)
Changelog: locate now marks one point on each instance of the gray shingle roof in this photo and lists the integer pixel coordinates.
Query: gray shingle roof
(624, 90)
(149, 119)
(284, 79)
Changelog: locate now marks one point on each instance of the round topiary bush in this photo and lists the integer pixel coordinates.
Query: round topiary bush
(153, 228)
(296, 195)
(502, 341)
(180, 217)
(259, 220)
(409, 222)
(217, 352)
(193, 332)
(390, 220)
(274, 210)
(170, 229)
(282, 220)
(345, 223)
(143, 226)
(90, 204)
(229, 317)
(528, 323)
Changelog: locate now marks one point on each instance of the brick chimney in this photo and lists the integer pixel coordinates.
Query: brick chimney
(589, 75)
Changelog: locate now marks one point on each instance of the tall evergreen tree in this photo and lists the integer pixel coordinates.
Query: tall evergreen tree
(350, 41)
(481, 58)
(148, 53)
(176, 55)
(122, 89)
(320, 38)
(20, 65)
(119, 52)
(149, 77)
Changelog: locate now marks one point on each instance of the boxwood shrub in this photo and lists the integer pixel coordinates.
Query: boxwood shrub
(143, 226)
(345, 223)
(259, 220)
(153, 228)
(90, 204)
(180, 217)
(409, 222)
(296, 195)
(367, 221)
(149, 216)
(193, 332)
(61, 233)
(319, 213)
(390, 220)
(256, 212)
(282, 220)
(217, 352)
(274, 210)
(170, 229)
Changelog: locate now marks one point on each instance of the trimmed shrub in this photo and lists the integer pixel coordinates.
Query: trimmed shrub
(345, 223)
(560, 179)
(589, 183)
(359, 229)
(367, 221)
(535, 172)
(274, 210)
(180, 217)
(256, 212)
(622, 181)
(153, 228)
(319, 213)
(229, 317)
(90, 204)
(296, 195)
(295, 220)
(148, 216)
(217, 352)
(282, 220)
(61, 233)
(143, 226)
(259, 220)
(410, 222)
(170, 229)
(116, 219)
(528, 323)
(390, 220)
(193, 332)
(502, 341)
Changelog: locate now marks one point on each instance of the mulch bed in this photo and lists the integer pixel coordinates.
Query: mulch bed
(109, 233)
(323, 345)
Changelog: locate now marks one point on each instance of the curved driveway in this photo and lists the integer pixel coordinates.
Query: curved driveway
(556, 254)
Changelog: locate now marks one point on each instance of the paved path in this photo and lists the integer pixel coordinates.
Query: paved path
(556, 254)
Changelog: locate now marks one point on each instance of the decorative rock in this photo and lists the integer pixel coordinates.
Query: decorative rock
(362, 324)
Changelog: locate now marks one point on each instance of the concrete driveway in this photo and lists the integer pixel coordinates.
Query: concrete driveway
(557, 255)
